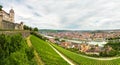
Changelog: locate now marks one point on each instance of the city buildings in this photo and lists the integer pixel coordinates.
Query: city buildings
(86, 42)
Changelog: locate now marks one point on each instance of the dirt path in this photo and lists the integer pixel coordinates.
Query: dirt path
(106, 58)
(65, 58)
(38, 59)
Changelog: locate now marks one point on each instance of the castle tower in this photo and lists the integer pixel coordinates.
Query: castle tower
(12, 15)
(21, 26)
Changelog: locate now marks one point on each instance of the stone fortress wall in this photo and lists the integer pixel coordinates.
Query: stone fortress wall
(23, 33)
(7, 21)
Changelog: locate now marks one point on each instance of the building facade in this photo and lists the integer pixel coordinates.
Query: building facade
(7, 21)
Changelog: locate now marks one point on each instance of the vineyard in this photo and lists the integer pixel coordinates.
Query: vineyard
(14, 51)
(47, 54)
(85, 61)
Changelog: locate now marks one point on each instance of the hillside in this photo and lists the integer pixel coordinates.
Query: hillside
(55, 31)
(42, 48)
(15, 51)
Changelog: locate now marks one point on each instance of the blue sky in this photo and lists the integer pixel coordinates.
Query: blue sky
(66, 14)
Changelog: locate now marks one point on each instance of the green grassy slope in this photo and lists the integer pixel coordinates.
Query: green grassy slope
(47, 54)
(85, 61)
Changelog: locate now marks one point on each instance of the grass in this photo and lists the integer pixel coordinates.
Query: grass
(85, 61)
(47, 54)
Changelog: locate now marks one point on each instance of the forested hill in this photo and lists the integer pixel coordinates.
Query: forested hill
(51, 30)
(55, 31)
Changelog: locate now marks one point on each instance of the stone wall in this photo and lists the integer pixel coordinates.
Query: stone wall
(0, 21)
(24, 33)
(7, 25)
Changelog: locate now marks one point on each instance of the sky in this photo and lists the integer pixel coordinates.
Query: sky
(66, 14)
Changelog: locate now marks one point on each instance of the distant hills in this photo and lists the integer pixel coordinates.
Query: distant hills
(52, 30)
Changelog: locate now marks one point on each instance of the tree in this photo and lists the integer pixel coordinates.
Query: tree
(1, 7)
(56, 39)
(30, 28)
(62, 40)
(35, 29)
(26, 27)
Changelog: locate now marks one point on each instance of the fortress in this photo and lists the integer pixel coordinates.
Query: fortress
(7, 21)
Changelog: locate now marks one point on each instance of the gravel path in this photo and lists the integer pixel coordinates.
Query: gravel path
(65, 58)
(106, 58)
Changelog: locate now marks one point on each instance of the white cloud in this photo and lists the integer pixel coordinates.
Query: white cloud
(67, 14)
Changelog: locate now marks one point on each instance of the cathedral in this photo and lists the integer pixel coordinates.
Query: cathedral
(7, 21)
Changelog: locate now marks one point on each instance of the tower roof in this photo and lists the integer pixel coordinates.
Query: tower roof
(11, 11)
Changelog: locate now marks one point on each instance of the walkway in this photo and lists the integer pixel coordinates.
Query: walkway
(65, 58)
(38, 59)
(105, 58)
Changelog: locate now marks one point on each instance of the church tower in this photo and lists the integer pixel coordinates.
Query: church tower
(12, 15)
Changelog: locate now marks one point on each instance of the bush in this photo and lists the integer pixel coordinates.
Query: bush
(14, 50)
(16, 58)
(109, 54)
(39, 36)
(1, 7)
(35, 29)
(30, 53)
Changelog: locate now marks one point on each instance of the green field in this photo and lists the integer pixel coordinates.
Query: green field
(47, 54)
(85, 61)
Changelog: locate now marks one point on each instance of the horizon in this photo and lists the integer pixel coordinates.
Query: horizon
(80, 30)
(65, 14)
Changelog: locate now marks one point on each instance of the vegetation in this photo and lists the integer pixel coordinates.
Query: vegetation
(111, 53)
(115, 38)
(1, 7)
(35, 29)
(39, 36)
(14, 51)
(27, 28)
(47, 54)
(115, 44)
(80, 60)
(30, 28)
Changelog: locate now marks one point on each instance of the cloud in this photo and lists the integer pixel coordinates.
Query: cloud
(66, 14)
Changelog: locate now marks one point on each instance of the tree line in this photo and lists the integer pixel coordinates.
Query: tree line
(30, 28)
(1, 7)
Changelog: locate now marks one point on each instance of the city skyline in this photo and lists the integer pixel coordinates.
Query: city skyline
(66, 14)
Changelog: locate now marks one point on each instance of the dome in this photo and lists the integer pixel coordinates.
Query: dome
(11, 11)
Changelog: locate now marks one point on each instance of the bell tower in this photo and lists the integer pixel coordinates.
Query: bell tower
(12, 15)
